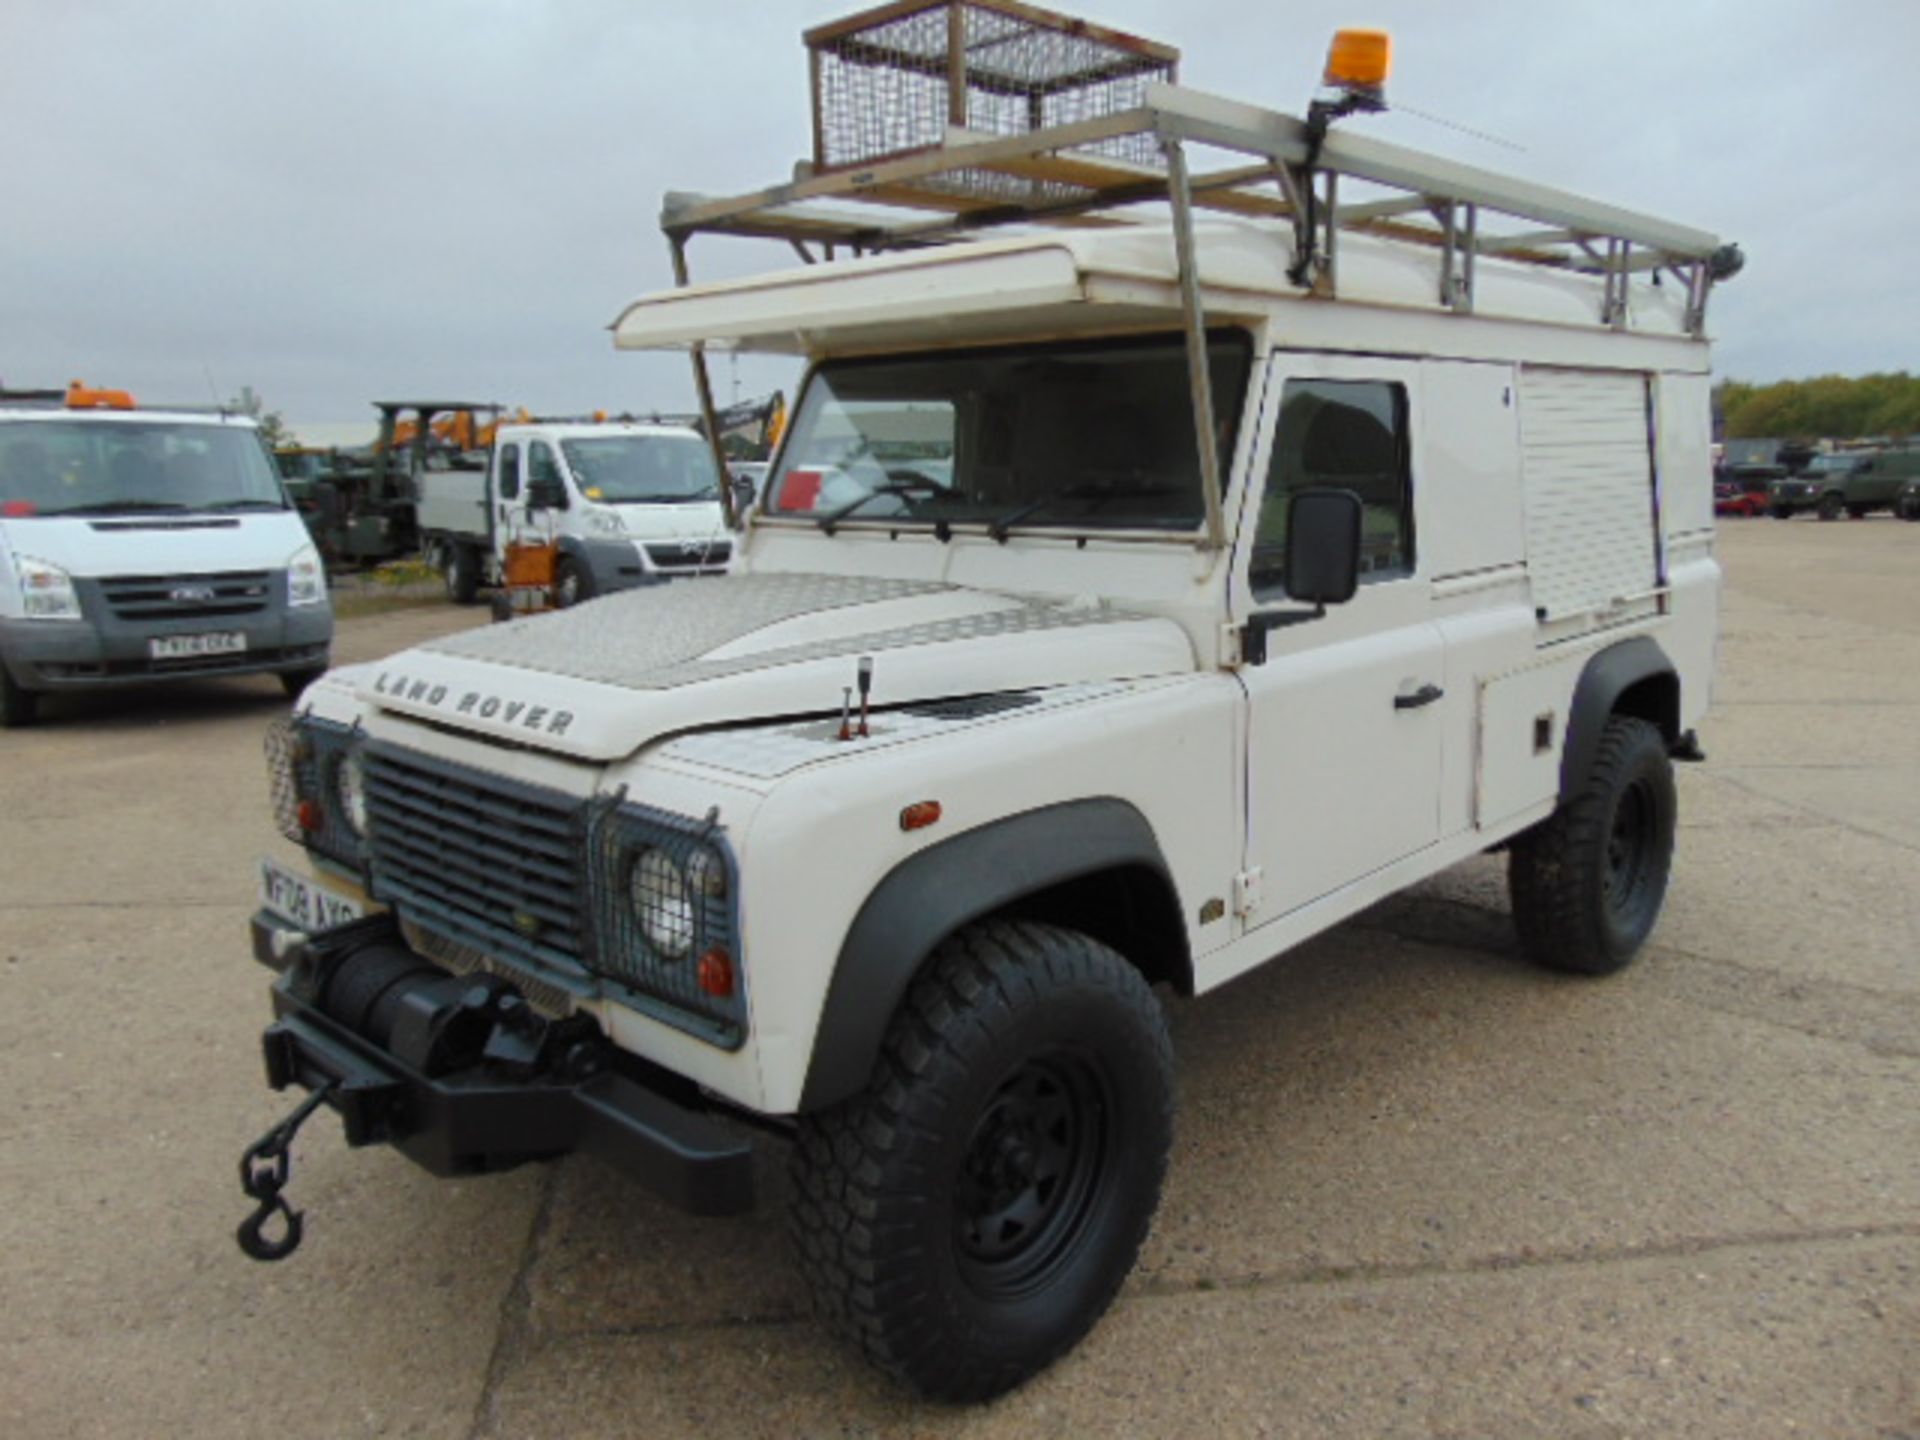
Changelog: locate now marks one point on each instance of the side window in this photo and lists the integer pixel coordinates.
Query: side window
(540, 463)
(1344, 435)
(509, 463)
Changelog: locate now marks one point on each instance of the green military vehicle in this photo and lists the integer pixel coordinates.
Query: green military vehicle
(1854, 484)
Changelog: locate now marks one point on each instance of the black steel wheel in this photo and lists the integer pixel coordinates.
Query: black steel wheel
(1587, 883)
(18, 706)
(968, 1217)
(1831, 507)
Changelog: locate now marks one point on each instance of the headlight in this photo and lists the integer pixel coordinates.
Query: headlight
(661, 902)
(46, 591)
(605, 522)
(350, 793)
(306, 577)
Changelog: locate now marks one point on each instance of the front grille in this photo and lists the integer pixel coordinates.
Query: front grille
(540, 879)
(482, 860)
(187, 597)
(699, 555)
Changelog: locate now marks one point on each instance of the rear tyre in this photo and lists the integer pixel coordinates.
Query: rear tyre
(1587, 883)
(968, 1217)
(18, 707)
(1910, 508)
(1830, 507)
(462, 571)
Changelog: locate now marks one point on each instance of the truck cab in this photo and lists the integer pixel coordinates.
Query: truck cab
(141, 546)
(627, 504)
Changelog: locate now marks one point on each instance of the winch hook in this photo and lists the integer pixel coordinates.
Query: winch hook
(265, 1168)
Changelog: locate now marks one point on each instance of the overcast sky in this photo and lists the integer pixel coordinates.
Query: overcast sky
(340, 200)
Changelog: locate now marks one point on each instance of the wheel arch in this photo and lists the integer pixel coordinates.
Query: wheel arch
(1093, 865)
(1635, 678)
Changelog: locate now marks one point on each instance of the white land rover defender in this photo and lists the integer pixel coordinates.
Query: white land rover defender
(1127, 604)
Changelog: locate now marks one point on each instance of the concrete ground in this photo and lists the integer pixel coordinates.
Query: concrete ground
(1419, 1189)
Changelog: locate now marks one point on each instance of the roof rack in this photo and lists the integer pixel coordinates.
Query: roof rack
(1281, 168)
(1286, 172)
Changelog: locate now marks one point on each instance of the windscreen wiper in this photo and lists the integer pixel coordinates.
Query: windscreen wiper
(117, 507)
(1093, 495)
(247, 502)
(899, 489)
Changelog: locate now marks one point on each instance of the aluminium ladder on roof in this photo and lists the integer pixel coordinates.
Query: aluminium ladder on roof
(1283, 171)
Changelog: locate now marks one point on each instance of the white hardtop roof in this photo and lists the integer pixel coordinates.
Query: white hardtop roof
(1084, 281)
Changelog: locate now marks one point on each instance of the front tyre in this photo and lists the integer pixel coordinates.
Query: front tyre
(571, 584)
(968, 1217)
(461, 569)
(19, 707)
(1587, 882)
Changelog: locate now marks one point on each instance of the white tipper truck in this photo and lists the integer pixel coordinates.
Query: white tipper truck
(1241, 574)
(627, 504)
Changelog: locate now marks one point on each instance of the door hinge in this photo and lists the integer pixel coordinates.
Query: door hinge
(1246, 892)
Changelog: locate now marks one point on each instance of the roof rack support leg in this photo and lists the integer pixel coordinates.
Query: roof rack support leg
(1465, 305)
(703, 383)
(1330, 251)
(1199, 373)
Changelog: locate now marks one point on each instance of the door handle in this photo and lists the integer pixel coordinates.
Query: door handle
(1425, 695)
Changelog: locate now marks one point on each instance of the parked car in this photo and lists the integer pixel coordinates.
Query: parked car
(1742, 489)
(1807, 490)
(1874, 482)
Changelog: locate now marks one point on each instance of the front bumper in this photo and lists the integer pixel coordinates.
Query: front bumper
(105, 650)
(515, 1098)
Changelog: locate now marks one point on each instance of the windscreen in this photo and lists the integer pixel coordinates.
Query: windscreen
(78, 467)
(1075, 436)
(622, 469)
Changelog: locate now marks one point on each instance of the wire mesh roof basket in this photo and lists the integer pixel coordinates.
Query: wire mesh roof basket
(892, 81)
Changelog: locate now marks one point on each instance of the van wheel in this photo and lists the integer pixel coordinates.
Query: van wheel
(968, 1217)
(462, 570)
(18, 707)
(295, 681)
(1587, 882)
(1910, 508)
(570, 585)
(1831, 507)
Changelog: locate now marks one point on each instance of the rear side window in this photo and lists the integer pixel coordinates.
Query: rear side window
(1342, 435)
(509, 472)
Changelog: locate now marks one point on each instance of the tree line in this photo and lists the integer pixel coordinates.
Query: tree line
(1831, 406)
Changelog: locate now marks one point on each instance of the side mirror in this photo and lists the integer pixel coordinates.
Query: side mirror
(546, 493)
(1323, 546)
(743, 494)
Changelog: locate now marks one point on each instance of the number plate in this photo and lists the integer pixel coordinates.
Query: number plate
(186, 647)
(300, 902)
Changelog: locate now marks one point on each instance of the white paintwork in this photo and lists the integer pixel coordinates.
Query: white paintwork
(1292, 793)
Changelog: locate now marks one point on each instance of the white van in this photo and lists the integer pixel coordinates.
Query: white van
(628, 504)
(139, 546)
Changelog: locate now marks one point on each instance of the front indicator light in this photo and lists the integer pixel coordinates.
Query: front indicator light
(309, 816)
(920, 815)
(716, 973)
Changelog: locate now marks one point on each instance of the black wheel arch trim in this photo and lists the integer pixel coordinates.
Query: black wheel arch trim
(1638, 665)
(931, 894)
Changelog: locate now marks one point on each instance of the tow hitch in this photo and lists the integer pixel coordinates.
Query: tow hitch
(265, 1169)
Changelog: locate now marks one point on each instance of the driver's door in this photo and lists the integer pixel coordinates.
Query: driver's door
(1344, 714)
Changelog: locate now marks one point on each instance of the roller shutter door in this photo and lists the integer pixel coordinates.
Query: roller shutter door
(1586, 455)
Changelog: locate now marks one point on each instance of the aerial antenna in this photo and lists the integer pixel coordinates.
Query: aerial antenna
(1491, 139)
(212, 389)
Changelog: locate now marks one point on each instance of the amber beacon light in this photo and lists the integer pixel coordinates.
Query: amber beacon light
(1359, 60)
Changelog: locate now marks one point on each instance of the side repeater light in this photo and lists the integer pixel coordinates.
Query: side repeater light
(919, 815)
